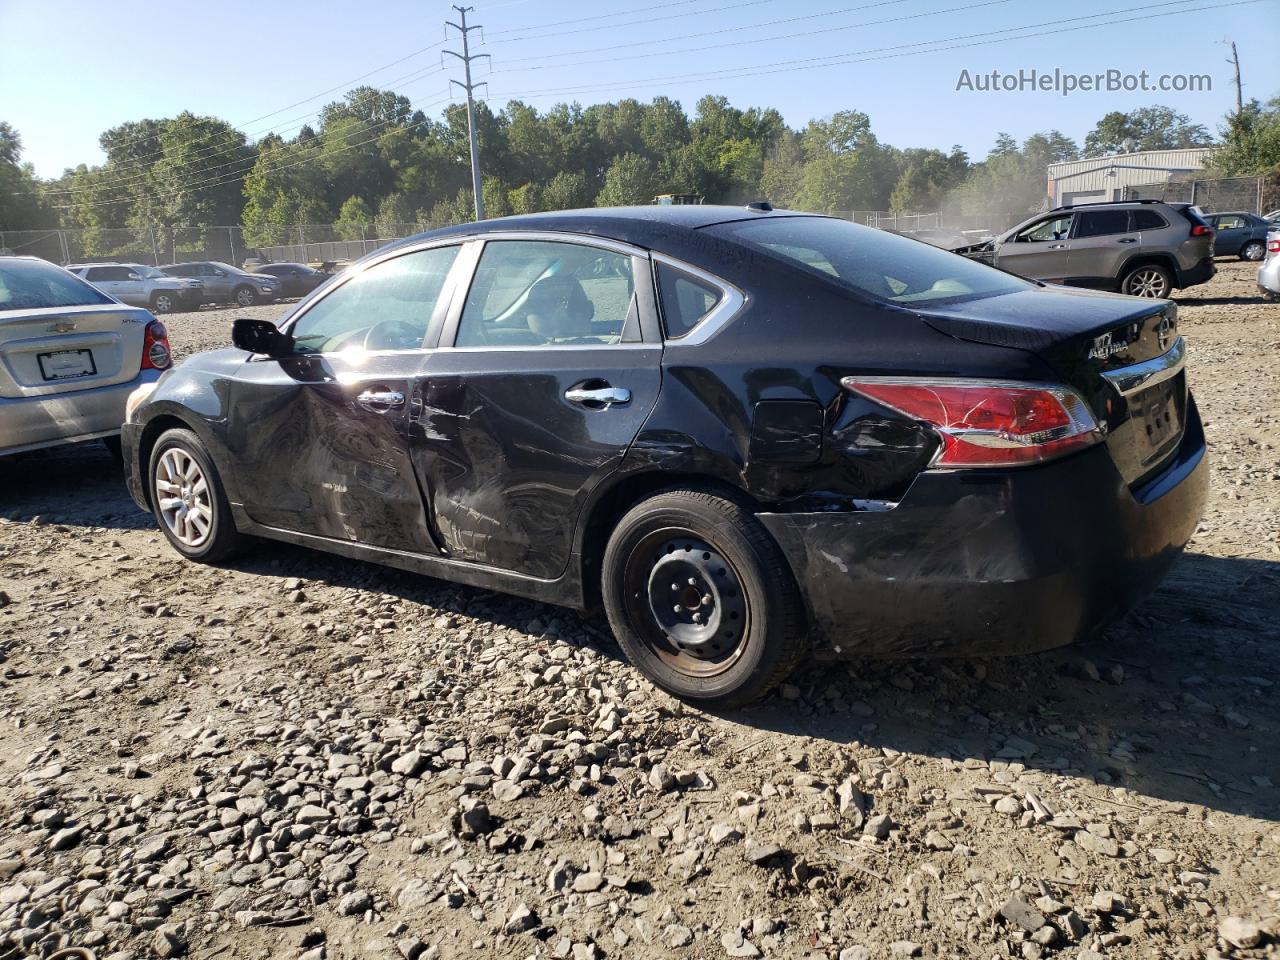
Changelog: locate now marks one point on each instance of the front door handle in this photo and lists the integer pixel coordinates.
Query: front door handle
(1058, 246)
(379, 400)
(602, 396)
(1127, 240)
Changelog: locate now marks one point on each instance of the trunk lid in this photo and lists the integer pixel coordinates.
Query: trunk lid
(53, 350)
(1122, 354)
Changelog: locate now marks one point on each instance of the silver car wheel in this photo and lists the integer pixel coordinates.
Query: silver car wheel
(1254, 250)
(182, 494)
(1146, 282)
(162, 304)
(245, 297)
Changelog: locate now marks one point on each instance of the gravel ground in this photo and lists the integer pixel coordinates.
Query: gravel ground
(303, 756)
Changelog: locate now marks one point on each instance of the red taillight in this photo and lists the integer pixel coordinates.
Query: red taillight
(1200, 230)
(985, 424)
(1273, 246)
(155, 347)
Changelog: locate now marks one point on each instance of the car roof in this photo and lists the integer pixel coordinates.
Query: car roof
(643, 226)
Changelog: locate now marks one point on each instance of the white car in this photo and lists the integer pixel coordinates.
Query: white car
(142, 286)
(1269, 272)
(70, 355)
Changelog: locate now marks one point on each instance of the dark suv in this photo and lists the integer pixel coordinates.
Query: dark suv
(1143, 248)
(745, 433)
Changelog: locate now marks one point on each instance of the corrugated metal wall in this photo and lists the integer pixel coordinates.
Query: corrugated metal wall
(1105, 178)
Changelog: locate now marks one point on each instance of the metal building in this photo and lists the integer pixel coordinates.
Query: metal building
(1104, 178)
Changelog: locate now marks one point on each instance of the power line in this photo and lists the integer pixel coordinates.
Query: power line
(231, 177)
(466, 56)
(806, 63)
(139, 168)
(619, 13)
(769, 39)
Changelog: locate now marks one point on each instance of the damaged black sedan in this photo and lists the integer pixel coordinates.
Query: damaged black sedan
(749, 435)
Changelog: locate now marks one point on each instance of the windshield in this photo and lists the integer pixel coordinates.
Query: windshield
(873, 262)
(33, 284)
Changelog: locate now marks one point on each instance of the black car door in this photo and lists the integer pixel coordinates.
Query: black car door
(546, 370)
(320, 437)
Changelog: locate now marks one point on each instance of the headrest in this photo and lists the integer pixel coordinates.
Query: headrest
(558, 308)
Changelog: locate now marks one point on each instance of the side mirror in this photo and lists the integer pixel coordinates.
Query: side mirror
(261, 336)
(219, 273)
(133, 276)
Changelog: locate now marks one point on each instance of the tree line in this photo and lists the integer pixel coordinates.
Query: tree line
(371, 160)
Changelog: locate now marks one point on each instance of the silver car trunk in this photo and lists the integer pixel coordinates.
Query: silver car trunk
(55, 350)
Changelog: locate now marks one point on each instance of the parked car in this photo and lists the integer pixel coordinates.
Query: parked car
(1272, 216)
(1269, 272)
(296, 279)
(1243, 235)
(1141, 247)
(937, 237)
(749, 434)
(224, 283)
(70, 355)
(141, 285)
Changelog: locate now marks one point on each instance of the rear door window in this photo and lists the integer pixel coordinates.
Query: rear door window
(546, 293)
(1101, 223)
(1148, 220)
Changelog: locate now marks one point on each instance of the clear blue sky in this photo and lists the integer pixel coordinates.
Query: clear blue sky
(70, 70)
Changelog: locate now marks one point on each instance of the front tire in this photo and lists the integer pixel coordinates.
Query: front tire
(1150, 281)
(701, 599)
(246, 297)
(1254, 251)
(162, 303)
(188, 499)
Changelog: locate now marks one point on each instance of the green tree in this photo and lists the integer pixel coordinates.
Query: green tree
(1251, 140)
(629, 180)
(567, 190)
(1146, 128)
(22, 206)
(354, 219)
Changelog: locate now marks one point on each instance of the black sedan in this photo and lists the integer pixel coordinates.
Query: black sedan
(296, 279)
(749, 435)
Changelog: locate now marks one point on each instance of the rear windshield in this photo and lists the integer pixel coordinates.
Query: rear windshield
(33, 284)
(872, 262)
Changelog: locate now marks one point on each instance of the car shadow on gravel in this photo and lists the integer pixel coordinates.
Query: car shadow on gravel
(1176, 702)
(79, 485)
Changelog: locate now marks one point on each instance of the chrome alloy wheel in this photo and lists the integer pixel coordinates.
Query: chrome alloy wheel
(1147, 282)
(183, 497)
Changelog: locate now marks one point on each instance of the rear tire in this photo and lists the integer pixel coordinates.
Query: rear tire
(1253, 251)
(701, 598)
(1149, 280)
(188, 499)
(246, 296)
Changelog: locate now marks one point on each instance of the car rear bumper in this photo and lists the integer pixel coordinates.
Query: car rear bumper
(974, 564)
(1202, 272)
(29, 423)
(1269, 276)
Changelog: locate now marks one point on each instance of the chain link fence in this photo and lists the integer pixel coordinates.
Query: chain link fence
(1220, 195)
(305, 243)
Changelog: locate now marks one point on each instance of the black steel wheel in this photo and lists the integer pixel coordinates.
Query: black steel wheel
(701, 598)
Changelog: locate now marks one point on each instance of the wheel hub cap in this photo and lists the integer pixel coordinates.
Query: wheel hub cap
(182, 497)
(696, 600)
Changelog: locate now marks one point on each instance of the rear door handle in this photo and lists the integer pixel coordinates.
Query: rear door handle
(380, 399)
(604, 396)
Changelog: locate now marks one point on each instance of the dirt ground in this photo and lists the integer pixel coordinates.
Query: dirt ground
(303, 756)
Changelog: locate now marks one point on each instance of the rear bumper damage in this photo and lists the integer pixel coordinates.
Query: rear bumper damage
(1012, 561)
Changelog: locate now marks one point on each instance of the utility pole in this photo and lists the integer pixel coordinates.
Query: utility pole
(1235, 61)
(466, 56)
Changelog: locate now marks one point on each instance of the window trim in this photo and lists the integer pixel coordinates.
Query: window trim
(453, 321)
(732, 300)
(433, 323)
